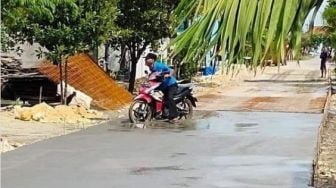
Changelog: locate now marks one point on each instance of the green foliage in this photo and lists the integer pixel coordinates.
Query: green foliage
(7, 43)
(188, 70)
(64, 27)
(140, 24)
(234, 25)
(312, 40)
(330, 16)
(332, 3)
(185, 69)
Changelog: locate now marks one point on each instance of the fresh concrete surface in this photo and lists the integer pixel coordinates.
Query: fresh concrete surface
(226, 149)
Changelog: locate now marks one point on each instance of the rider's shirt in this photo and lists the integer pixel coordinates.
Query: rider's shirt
(161, 67)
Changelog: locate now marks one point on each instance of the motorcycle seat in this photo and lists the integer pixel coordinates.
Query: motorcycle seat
(190, 85)
(183, 87)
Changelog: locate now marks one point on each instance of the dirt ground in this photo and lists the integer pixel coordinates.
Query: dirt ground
(16, 133)
(325, 171)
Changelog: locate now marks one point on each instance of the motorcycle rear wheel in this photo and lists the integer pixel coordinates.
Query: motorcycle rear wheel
(140, 111)
(186, 108)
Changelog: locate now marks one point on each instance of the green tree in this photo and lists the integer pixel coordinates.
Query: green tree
(233, 25)
(330, 16)
(141, 24)
(331, 3)
(63, 27)
(7, 43)
(311, 41)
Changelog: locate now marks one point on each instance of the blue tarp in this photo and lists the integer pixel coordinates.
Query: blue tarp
(209, 71)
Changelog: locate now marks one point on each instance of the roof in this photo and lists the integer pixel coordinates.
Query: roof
(85, 75)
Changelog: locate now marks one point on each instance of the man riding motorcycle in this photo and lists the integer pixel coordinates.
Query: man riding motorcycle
(168, 86)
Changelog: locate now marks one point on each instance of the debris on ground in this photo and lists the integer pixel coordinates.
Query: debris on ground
(20, 133)
(59, 114)
(74, 96)
(5, 146)
(325, 172)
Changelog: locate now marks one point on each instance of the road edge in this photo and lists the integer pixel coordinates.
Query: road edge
(323, 124)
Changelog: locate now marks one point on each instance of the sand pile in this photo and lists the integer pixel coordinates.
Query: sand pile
(59, 114)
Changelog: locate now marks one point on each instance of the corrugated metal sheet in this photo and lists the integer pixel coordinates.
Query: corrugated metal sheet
(85, 75)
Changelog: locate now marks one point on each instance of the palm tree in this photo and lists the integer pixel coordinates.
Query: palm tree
(232, 26)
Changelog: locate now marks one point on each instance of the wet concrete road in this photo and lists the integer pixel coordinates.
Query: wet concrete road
(293, 88)
(217, 149)
(226, 149)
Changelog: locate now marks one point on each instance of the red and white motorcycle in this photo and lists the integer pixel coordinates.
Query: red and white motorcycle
(149, 103)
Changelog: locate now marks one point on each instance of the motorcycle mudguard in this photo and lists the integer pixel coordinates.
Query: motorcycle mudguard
(192, 99)
(144, 97)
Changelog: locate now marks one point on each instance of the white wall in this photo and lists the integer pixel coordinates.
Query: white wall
(28, 57)
(162, 52)
(141, 67)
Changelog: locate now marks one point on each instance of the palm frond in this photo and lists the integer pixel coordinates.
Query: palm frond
(232, 24)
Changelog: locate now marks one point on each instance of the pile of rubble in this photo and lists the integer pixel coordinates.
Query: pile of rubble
(59, 114)
(10, 65)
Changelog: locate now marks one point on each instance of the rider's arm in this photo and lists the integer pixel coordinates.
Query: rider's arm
(168, 71)
(172, 72)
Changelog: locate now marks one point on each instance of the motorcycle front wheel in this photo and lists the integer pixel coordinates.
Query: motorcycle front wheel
(140, 111)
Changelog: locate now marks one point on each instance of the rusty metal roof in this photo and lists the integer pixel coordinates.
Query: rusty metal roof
(85, 75)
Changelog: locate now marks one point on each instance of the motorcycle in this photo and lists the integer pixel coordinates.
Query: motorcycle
(149, 103)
